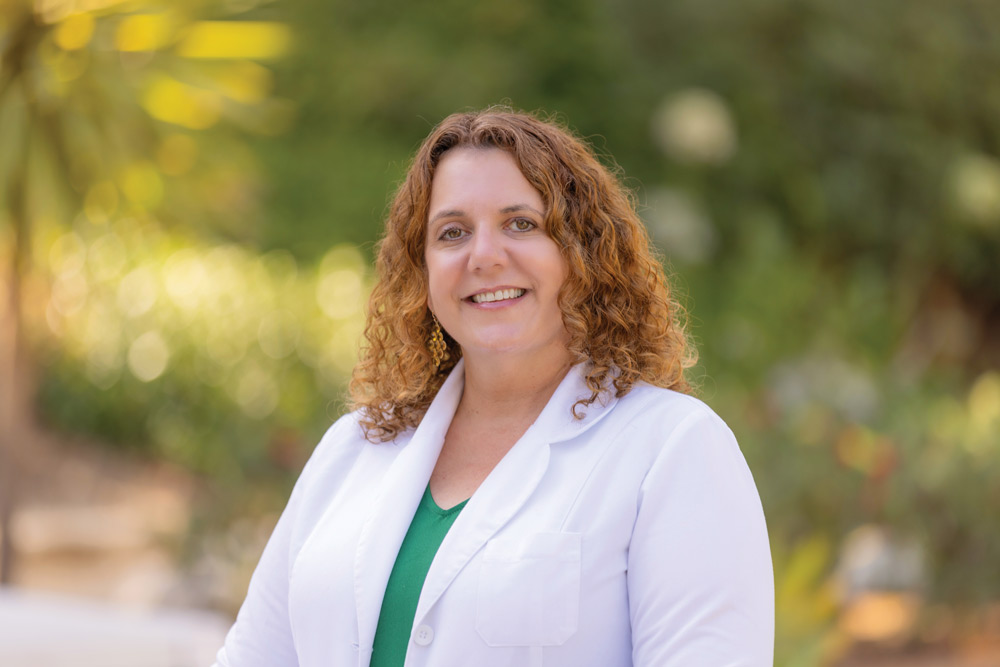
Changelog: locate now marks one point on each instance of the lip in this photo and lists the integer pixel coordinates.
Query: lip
(495, 304)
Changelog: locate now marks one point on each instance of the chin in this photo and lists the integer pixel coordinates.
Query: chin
(511, 346)
(494, 347)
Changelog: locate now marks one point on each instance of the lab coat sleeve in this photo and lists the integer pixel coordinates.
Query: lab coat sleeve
(700, 581)
(262, 633)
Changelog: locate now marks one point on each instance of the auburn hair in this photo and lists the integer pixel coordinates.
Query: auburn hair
(617, 304)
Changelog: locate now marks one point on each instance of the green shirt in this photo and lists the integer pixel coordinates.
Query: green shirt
(399, 606)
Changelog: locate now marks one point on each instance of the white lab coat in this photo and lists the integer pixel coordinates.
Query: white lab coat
(634, 536)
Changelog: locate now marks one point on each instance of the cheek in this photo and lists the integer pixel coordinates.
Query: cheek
(430, 291)
(434, 277)
(560, 267)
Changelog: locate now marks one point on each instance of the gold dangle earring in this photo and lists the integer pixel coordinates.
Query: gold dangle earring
(438, 348)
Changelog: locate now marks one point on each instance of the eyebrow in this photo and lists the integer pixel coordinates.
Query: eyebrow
(520, 207)
(456, 213)
(451, 213)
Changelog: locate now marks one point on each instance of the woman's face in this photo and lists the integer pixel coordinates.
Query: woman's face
(494, 272)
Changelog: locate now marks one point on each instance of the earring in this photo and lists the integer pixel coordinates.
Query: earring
(438, 348)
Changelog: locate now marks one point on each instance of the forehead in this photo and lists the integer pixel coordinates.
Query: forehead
(478, 177)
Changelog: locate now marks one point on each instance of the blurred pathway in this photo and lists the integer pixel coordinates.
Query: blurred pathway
(43, 630)
(93, 522)
(95, 582)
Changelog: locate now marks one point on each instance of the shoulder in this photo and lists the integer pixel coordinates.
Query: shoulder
(341, 445)
(665, 411)
(699, 546)
(344, 438)
(674, 431)
(334, 455)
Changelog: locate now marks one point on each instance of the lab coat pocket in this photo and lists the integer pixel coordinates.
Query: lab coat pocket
(529, 590)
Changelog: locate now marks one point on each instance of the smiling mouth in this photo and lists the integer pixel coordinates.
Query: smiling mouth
(499, 295)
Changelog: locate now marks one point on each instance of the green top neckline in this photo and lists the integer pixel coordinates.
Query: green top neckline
(429, 503)
(427, 530)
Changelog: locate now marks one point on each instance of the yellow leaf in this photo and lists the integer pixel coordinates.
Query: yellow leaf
(245, 82)
(143, 32)
(984, 399)
(984, 411)
(74, 32)
(171, 101)
(235, 39)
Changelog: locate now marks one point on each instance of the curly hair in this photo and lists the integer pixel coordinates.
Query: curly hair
(616, 303)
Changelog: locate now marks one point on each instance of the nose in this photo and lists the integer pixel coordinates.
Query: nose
(487, 249)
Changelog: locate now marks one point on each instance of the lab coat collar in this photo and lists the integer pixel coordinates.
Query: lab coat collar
(401, 489)
(499, 497)
(511, 483)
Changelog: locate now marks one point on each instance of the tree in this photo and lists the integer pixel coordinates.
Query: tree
(89, 93)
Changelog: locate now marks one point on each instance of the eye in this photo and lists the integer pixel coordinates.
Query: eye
(451, 234)
(522, 225)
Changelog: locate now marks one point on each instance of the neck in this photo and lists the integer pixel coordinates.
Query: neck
(508, 387)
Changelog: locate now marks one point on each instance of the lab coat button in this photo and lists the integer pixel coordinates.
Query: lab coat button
(424, 635)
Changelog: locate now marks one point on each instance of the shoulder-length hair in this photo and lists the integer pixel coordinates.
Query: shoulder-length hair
(617, 305)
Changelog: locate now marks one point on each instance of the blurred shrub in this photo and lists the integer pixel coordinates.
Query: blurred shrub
(211, 356)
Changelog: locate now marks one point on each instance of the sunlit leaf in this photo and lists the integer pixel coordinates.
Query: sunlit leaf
(74, 32)
(174, 102)
(245, 81)
(144, 32)
(235, 39)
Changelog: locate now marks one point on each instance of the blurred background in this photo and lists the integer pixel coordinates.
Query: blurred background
(190, 192)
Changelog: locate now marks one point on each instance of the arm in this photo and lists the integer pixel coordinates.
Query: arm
(700, 583)
(262, 633)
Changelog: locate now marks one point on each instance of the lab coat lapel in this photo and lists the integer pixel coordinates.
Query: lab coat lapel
(511, 483)
(389, 518)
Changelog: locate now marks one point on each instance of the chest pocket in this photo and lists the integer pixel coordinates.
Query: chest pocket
(529, 590)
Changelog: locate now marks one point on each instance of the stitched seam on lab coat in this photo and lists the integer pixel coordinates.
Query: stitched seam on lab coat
(675, 433)
(339, 440)
(652, 399)
(593, 469)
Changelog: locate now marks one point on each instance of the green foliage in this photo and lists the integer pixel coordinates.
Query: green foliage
(374, 78)
(214, 357)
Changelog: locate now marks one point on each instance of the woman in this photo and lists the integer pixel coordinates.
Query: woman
(524, 480)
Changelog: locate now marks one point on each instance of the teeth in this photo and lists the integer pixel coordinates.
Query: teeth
(499, 295)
